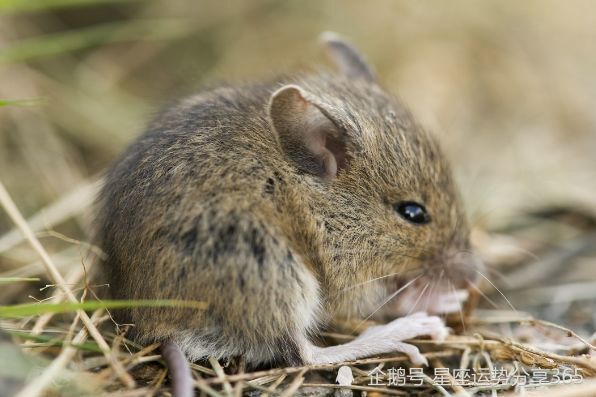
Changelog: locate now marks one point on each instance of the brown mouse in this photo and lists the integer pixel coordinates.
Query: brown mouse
(282, 205)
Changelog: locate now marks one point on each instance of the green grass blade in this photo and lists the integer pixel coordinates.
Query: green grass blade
(22, 102)
(12, 280)
(33, 309)
(59, 43)
(15, 6)
(52, 341)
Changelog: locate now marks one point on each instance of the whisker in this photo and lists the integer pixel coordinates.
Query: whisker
(393, 295)
(370, 281)
(498, 290)
(467, 265)
(417, 299)
(489, 300)
(401, 272)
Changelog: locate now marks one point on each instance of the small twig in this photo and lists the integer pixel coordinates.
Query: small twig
(461, 392)
(44, 319)
(136, 358)
(264, 389)
(482, 317)
(564, 329)
(435, 385)
(293, 370)
(274, 385)
(529, 354)
(240, 385)
(201, 384)
(204, 370)
(221, 375)
(298, 380)
(158, 382)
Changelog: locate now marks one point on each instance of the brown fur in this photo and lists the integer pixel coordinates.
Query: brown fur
(210, 204)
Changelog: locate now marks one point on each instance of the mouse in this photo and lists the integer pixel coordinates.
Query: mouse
(282, 205)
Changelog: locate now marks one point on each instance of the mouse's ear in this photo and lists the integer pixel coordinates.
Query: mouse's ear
(348, 59)
(307, 135)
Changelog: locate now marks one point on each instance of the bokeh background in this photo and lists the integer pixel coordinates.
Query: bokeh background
(509, 87)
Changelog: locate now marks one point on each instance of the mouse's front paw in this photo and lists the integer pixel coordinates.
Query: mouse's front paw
(421, 324)
(417, 324)
(433, 326)
(394, 333)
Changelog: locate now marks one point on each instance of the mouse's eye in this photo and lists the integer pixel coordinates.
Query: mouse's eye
(412, 212)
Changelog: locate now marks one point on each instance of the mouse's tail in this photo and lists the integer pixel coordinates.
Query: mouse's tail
(179, 370)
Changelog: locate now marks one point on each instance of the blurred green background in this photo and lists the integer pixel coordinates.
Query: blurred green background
(509, 87)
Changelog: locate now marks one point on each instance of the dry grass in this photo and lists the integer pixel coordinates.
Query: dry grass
(507, 86)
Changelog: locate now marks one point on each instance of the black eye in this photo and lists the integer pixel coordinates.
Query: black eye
(412, 212)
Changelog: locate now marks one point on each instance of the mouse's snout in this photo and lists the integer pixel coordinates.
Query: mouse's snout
(460, 268)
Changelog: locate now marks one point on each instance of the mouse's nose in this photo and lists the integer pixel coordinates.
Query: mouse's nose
(463, 268)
